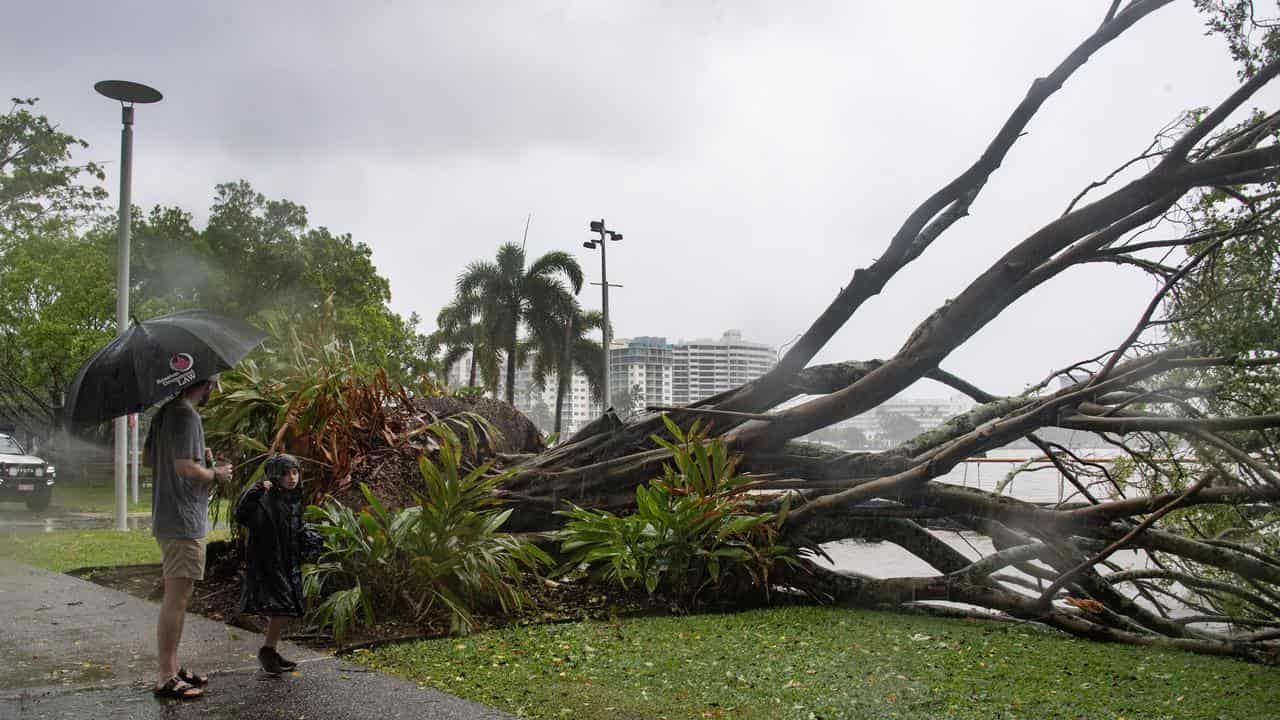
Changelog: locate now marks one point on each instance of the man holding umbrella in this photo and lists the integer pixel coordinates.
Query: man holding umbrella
(180, 353)
(183, 475)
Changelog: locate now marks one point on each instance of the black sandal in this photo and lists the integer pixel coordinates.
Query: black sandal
(175, 688)
(191, 678)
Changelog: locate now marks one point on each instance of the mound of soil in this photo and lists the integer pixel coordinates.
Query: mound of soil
(391, 471)
(515, 432)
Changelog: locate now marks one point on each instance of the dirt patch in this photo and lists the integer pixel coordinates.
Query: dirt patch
(516, 433)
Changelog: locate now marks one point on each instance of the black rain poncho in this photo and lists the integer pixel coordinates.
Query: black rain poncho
(277, 545)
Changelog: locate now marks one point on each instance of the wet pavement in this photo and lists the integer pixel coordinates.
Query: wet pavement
(72, 649)
(15, 518)
(323, 689)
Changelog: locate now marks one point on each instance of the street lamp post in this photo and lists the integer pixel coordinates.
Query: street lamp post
(129, 94)
(597, 226)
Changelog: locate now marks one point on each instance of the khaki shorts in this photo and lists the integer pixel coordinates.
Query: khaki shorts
(183, 557)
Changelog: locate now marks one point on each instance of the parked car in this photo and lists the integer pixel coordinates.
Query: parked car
(24, 478)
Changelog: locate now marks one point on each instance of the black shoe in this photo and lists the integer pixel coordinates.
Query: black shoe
(270, 661)
(286, 664)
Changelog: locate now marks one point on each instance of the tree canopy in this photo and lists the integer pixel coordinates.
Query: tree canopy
(257, 259)
(56, 302)
(509, 296)
(38, 180)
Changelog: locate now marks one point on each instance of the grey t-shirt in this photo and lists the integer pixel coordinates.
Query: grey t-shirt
(179, 508)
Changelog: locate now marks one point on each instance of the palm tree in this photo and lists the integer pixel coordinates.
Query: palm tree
(461, 329)
(560, 345)
(510, 295)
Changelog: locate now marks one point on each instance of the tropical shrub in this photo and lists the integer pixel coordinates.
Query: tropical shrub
(310, 398)
(443, 556)
(692, 529)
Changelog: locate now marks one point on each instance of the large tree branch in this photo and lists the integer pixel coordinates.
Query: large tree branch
(1178, 153)
(1122, 425)
(1002, 284)
(908, 243)
(990, 435)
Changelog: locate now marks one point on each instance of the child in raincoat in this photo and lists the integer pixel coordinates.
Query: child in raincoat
(278, 543)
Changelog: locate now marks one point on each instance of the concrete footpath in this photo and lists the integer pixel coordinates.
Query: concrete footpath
(73, 649)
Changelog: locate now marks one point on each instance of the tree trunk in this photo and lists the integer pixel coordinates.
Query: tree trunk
(564, 373)
(511, 364)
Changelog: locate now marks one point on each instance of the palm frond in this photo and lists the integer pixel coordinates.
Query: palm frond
(558, 262)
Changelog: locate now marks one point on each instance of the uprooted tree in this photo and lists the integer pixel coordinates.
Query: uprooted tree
(1189, 398)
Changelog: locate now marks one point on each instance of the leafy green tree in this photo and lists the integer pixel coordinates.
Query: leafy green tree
(257, 259)
(260, 260)
(1230, 303)
(511, 294)
(57, 305)
(170, 265)
(56, 289)
(1252, 39)
(38, 180)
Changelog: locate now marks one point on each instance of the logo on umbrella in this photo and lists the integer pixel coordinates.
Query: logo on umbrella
(184, 371)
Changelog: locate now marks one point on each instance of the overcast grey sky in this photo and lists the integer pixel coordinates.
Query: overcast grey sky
(753, 153)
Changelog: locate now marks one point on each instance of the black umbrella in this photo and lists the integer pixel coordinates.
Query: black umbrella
(154, 360)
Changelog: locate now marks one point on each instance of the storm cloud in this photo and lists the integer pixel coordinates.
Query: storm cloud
(754, 154)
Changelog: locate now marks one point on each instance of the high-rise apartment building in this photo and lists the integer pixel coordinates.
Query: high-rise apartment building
(641, 368)
(701, 368)
(580, 405)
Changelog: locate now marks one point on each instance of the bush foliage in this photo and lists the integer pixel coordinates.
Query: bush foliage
(692, 529)
(445, 556)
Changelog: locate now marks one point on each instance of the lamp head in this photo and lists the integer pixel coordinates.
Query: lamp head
(127, 92)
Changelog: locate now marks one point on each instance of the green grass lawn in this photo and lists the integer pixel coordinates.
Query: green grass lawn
(63, 550)
(83, 499)
(101, 499)
(69, 549)
(806, 662)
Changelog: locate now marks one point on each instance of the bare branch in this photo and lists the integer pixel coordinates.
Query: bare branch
(1151, 308)
(906, 244)
(1047, 596)
(1111, 12)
